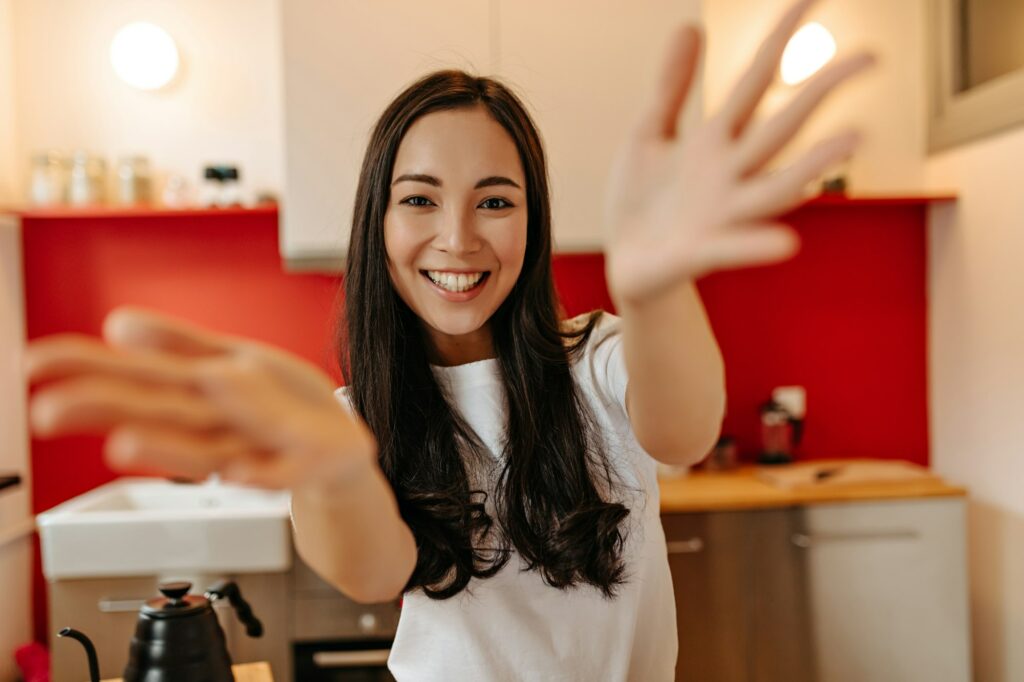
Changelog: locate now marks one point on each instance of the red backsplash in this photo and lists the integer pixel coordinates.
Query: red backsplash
(845, 318)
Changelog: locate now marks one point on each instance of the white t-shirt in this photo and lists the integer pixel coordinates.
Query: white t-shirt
(513, 626)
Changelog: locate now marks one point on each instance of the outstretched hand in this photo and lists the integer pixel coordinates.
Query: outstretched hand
(182, 401)
(679, 209)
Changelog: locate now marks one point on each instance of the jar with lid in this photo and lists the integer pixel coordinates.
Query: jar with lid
(48, 179)
(134, 183)
(221, 187)
(88, 179)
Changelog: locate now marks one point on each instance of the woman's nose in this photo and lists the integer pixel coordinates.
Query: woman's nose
(458, 234)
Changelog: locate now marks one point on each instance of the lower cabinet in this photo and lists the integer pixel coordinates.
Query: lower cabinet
(106, 610)
(838, 592)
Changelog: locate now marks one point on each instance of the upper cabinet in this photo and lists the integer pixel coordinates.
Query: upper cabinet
(583, 72)
(343, 62)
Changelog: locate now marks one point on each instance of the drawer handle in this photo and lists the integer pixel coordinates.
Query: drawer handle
(350, 659)
(810, 540)
(691, 546)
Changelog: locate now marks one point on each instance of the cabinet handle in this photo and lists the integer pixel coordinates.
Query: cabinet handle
(120, 605)
(691, 546)
(134, 605)
(350, 659)
(810, 540)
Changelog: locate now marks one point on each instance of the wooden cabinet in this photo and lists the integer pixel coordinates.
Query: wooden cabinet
(583, 71)
(840, 592)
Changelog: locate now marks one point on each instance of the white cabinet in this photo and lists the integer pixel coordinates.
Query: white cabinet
(583, 69)
(887, 587)
(343, 62)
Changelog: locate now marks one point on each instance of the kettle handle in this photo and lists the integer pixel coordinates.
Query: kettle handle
(228, 589)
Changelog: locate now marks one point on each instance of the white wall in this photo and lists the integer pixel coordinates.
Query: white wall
(888, 104)
(976, 365)
(7, 151)
(226, 105)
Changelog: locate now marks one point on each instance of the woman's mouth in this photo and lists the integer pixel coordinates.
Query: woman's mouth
(457, 285)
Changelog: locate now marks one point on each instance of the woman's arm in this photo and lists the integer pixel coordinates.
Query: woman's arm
(676, 391)
(681, 209)
(352, 535)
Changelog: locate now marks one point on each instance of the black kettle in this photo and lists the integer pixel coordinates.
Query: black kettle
(177, 637)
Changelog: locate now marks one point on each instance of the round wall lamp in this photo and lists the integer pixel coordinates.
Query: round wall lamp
(808, 50)
(144, 56)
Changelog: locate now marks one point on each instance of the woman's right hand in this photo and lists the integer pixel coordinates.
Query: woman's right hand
(181, 401)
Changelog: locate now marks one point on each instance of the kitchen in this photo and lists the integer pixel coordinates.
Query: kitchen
(894, 319)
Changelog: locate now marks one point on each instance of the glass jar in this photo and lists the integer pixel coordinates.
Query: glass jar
(88, 179)
(48, 179)
(134, 184)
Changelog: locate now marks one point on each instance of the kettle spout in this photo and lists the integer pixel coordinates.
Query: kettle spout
(90, 651)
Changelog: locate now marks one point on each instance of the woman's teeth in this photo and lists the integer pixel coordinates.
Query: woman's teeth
(455, 282)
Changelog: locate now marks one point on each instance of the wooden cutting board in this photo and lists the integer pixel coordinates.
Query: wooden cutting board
(244, 672)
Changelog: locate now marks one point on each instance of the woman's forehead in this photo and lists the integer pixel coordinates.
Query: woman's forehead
(458, 146)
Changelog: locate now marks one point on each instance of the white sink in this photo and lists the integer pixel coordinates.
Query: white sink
(148, 526)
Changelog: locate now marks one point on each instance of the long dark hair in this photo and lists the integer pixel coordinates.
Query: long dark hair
(553, 491)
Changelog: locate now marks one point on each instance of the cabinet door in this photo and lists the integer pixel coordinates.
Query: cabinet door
(888, 590)
(709, 559)
(584, 71)
(344, 60)
(106, 610)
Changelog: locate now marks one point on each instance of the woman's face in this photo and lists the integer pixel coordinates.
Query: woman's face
(455, 226)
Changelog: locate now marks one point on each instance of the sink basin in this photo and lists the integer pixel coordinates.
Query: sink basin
(147, 526)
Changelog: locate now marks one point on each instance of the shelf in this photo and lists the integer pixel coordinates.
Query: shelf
(877, 200)
(73, 212)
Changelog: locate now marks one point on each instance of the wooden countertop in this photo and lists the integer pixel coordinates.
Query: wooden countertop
(744, 488)
(245, 672)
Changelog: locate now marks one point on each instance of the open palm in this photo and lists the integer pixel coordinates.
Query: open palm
(679, 209)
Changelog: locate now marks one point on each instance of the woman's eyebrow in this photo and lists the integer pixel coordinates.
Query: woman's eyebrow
(431, 180)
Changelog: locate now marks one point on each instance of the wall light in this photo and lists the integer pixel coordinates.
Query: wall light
(808, 50)
(144, 56)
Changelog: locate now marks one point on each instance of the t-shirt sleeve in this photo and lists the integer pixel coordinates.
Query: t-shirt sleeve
(606, 361)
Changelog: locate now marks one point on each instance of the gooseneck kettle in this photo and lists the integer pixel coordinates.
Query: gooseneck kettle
(177, 637)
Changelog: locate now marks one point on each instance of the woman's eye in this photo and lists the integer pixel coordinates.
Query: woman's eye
(415, 201)
(504, 203)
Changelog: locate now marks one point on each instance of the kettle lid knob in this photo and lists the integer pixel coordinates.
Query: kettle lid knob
(175, 591)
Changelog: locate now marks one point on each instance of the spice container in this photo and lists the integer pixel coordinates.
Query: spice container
(134, 184)
(88, 179)
(48, 179)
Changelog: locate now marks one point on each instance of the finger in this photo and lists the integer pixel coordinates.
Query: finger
(94, 405)
(137, 328)
(134, 327)
(65, 355)
(170, 452)
(750, 245)
(760, 144)
(744, 98)
(249, 397)
(775, 193)
(677, 74)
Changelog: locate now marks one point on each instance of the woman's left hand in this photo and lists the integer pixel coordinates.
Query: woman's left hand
(680, 209)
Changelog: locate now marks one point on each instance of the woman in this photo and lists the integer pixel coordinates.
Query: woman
(491, 463)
